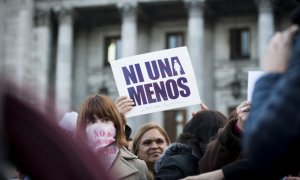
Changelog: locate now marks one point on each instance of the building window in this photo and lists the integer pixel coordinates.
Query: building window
(174, 122)
(239, 43)
(174, 40)
(112, 49)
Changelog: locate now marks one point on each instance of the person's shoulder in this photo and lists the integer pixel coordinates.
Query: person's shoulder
(178, 166)
(132, 158)
(178, 155)
(177, 148)
(182, 158)
(126, 154)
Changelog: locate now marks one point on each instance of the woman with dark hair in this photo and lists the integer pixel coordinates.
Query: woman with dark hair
(101, 125)
(226, 147)
(149, 143)
(181, 159)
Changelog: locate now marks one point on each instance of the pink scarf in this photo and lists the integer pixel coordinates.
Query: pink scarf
(101, 138)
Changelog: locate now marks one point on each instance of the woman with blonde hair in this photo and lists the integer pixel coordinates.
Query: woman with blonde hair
(149, 143)
(101, 125)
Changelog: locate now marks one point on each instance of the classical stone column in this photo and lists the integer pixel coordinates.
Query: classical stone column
(129, 33)
(265, 24)
(196, 47)
(63, 81)
(80, 67)
(2, 8)
(25, 44)
(2, 150)
(42, 56)
(129, 27)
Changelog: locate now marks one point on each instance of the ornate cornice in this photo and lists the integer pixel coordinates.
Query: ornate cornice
(265, 5)
(128, 8)
(195, 7)
(65, 15)
(42, 17)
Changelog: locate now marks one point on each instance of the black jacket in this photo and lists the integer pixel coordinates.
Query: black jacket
(176, 162)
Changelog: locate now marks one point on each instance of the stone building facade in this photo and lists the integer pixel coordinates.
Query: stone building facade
(62, 48)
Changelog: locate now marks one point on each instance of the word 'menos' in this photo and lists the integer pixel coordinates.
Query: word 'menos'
(160, 90)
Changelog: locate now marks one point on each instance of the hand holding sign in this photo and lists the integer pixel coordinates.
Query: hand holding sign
(242, 111)
(124, 104)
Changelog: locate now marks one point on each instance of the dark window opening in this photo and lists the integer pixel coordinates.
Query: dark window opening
(112, 49)
(174, 122)
(239, 43)
(174, 40)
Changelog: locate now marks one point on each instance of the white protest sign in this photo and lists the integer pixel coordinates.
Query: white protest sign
(253, 76)
(157, 81)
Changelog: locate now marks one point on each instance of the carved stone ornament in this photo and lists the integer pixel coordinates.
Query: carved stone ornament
(195, 7)
(65, 15)
(265, 5)
(42, 17)
(128, 8)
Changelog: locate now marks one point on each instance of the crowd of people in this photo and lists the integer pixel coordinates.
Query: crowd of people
(259, 140)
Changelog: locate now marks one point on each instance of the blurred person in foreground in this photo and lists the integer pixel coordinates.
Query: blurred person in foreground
(149, 143)
(272, 132)
(100, 124)
(181, 159)
(38, 146)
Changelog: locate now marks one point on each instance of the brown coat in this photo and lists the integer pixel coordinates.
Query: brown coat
(128, 166)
